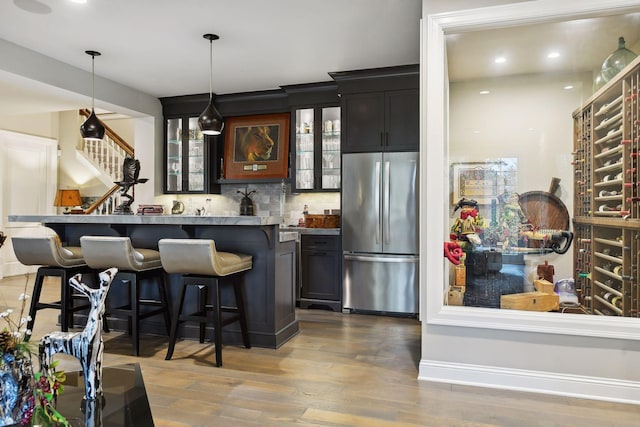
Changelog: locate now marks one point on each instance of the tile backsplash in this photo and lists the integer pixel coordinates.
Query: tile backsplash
(273, 199)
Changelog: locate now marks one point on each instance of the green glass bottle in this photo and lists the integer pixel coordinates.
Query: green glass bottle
(615, 62)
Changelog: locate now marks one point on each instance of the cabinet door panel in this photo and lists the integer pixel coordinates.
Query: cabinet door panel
(403, 120)
(363, 122)
(321, 275)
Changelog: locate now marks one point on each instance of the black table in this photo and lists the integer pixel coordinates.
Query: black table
(124, 400)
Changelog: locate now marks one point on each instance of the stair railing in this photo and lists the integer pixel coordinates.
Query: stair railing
(108, 154)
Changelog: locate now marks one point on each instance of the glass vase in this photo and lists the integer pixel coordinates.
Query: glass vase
(615, 62)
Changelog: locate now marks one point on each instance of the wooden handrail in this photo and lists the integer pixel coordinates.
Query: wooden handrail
(101, 200)
(111, 134)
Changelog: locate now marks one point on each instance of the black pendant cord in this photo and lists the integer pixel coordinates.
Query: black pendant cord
(211, 38)
(211, 70)
(93, 54)
(93, 82)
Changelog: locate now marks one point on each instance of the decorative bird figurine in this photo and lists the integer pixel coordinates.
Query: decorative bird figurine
(130, 174)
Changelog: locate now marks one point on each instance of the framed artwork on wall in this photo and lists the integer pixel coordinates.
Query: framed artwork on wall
(257, 146)
(483, 181)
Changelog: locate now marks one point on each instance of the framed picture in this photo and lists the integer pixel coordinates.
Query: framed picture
(256, 146)
(483, 181)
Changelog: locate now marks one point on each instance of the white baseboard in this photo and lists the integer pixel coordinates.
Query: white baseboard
(606, 389)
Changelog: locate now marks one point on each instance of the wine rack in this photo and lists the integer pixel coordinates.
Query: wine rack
(606, 197)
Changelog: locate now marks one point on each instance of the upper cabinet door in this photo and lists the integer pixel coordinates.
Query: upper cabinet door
(363, 122)
(381, 121)
(402, 112)
(173, 147)
(189, 159)
(330, 178)
(317, 149)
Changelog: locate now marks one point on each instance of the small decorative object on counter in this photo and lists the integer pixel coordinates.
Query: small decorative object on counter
(3, 237)
(246, 204)
(150, 210)
(177, 208)
(130, 173)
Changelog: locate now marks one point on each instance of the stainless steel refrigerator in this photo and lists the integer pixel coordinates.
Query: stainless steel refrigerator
(380, 232)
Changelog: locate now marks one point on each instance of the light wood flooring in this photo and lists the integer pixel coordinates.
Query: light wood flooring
(340, 370)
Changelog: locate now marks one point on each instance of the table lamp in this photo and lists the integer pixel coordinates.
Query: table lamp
(67, 199)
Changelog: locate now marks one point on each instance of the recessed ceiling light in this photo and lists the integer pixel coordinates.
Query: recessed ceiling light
(500, 60)
(553, 55)
(568, 87)
(484, 92)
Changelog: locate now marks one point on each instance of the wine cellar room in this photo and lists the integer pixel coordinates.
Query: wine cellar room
(555, 129)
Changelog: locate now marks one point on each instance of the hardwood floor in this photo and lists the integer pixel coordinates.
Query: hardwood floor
(340, 370)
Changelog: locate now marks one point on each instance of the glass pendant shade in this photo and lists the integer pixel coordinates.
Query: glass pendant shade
(615, 62)
(210, 121)
(92, 129)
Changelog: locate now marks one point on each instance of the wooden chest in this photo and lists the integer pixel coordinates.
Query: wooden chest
(531, 301)
(455, 296)
(543, 286)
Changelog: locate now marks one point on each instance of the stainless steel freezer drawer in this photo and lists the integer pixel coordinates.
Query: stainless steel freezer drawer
(380, 282)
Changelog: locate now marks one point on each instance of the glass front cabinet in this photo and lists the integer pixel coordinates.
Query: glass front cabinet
(188, 153)
(317, 149)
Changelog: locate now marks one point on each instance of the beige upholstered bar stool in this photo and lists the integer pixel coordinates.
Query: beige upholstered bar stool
(134, 266)
(202, 266)
(57, 261)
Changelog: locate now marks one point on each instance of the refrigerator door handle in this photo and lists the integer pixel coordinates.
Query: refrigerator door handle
(376, 202)
(370, 258)
(385, 203)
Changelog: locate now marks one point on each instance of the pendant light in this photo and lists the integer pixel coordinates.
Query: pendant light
(92, 129)
(210, 121)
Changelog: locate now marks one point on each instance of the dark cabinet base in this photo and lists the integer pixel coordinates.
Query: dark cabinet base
(321, 277)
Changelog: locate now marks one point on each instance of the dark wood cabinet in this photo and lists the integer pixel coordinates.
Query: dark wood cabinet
(315, 137)
(321, 277)
(191, 159)
(380, 109)
(402, 120)
(381, 121)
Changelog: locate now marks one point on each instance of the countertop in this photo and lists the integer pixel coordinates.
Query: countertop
(149, 219)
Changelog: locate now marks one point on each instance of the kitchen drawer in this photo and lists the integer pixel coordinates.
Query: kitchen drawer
(322, 243)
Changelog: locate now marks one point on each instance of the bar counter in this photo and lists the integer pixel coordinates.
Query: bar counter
(269, 285)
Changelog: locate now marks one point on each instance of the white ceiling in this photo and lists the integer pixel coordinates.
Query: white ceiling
(582, 44)
(156, 46)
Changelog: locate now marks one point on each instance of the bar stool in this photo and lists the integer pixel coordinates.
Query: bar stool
(201, 265)
(134, 266)
(55, 261)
